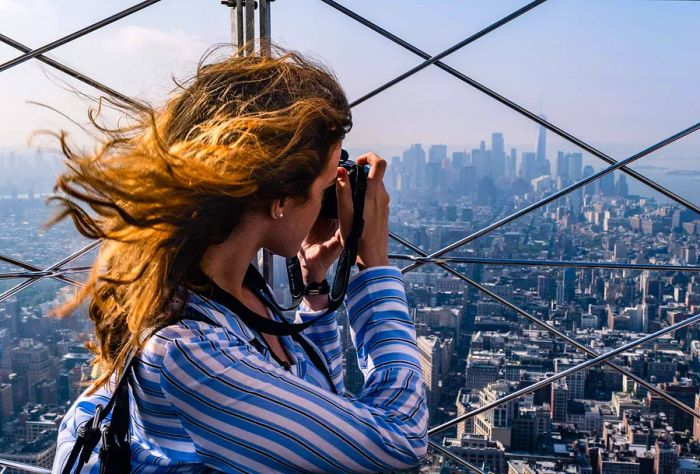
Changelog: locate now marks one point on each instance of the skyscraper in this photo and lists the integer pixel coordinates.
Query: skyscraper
(590, 188)
(559, 400)
(437, 153)
(607, 184)
(562, 165)
(413, 165)
(496, 423)
(528, 166)
(479, 160)
(510, 164)
(498, 155)
(459, 159)
(543, 167)
(566, 289)
(575, 166)
(665, 456)
(435, 355)
(622, 188)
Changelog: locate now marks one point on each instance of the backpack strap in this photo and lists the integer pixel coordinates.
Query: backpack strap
(115, 452)
(91, 432)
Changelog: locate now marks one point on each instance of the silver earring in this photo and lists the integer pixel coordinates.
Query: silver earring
(279, 215)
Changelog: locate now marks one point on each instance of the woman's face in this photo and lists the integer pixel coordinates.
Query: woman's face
(299, 216)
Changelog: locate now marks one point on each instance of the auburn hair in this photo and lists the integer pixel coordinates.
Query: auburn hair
(241, 132)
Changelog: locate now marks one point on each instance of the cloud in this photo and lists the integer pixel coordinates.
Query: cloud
(23, 7)
(133, 39)
(686, 173)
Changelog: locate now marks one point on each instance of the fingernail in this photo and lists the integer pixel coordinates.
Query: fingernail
(342, 172)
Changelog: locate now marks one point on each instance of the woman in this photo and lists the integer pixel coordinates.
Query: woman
(238, 160)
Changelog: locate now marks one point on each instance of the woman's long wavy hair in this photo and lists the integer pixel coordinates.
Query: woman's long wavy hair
(240, 133)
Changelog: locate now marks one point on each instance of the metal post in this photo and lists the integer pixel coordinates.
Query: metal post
(265, 28)
(243, 34)
(265, 50)
(250, 27)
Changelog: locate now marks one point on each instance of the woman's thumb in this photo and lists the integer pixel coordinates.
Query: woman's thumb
(343, 192)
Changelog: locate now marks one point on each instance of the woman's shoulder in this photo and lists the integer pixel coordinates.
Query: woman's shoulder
(195, 323)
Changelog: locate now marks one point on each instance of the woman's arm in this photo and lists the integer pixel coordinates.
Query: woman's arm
(245, 413)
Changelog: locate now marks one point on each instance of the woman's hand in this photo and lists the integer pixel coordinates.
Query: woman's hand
(325, 241)
(374, 244)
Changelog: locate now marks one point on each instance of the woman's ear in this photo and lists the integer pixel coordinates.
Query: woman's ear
(277, 208)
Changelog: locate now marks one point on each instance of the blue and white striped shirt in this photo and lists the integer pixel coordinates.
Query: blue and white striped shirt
(203, 397)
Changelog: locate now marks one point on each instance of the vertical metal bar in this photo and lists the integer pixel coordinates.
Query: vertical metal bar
(268, 265)
(264, 35)
(265, 25)
(249, 27)
(239, 26)
(232, 14)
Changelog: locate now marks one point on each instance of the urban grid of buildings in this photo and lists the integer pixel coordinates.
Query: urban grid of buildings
(474, 350)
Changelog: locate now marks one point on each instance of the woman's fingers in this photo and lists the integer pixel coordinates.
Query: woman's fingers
(377, 166)
(374, 244)
(343, 193)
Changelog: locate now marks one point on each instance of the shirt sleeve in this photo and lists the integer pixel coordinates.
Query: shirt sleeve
(245, 414)
(325, 335)
(380, 326)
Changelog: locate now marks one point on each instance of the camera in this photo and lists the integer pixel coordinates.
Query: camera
(357, 175)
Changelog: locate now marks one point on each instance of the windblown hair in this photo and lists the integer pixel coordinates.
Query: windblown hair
(240, 133)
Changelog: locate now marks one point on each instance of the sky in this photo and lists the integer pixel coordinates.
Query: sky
(621, 75)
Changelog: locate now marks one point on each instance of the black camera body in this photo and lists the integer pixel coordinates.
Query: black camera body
(329, 204)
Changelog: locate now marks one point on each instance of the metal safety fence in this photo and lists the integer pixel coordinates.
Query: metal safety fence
(242, 16)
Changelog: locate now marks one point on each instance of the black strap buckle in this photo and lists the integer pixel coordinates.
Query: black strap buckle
(115, 453)
(89, 435)
(313, 288)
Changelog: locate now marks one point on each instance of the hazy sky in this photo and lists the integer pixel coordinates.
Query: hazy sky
(620, 74)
